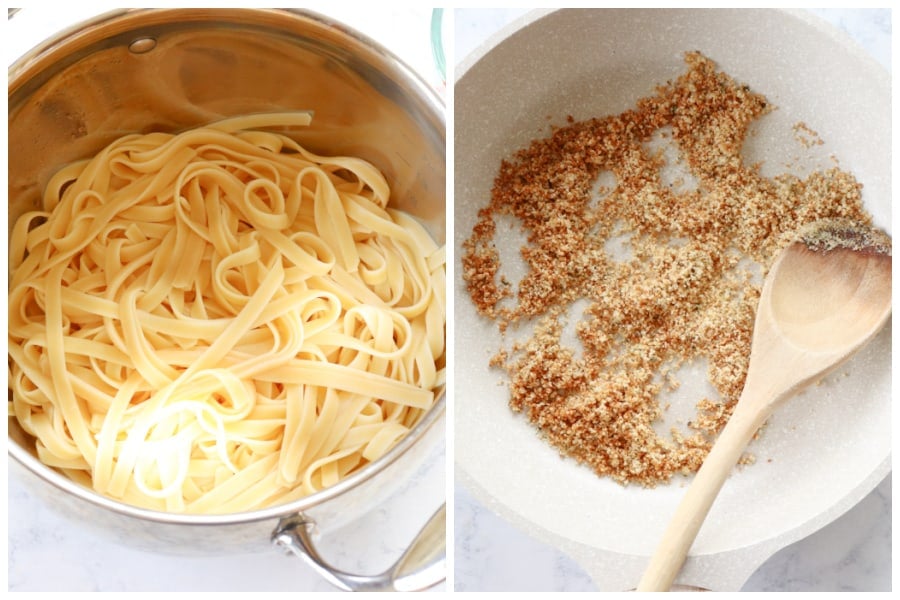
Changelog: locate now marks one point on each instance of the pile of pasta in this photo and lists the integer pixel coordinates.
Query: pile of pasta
(219, 320)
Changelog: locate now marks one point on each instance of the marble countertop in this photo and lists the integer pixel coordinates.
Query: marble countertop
(48, 552)
(853, 553)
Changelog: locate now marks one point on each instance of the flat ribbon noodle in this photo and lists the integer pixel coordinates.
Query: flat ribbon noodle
(219, 320)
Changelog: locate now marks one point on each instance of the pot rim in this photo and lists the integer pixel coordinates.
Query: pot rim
(19, 74)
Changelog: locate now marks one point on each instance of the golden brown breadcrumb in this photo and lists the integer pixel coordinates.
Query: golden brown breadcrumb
(684, 292)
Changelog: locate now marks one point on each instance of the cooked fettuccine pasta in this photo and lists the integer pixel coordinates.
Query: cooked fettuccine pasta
(220, 320)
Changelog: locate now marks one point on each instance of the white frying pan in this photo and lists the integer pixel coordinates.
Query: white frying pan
(822, 451)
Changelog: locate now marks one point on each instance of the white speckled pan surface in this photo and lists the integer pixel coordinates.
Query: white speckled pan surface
(829, 446)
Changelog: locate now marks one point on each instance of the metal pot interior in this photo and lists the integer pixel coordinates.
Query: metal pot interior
(172, 69)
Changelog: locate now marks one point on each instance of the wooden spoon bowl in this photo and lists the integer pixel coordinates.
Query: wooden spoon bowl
(825, 296)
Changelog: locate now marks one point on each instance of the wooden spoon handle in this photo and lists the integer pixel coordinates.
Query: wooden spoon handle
(691, 512)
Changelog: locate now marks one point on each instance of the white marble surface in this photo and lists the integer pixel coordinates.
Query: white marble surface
(47, 552)
(853, 553)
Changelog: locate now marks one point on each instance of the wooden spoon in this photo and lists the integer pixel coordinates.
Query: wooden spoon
(826, 295)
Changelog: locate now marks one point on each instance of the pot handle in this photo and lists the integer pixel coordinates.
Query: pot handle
(421, 566)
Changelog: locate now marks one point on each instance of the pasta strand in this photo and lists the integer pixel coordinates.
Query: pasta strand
(220, 320)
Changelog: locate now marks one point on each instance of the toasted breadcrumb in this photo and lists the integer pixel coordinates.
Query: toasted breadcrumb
(806, 135)
(684, 293)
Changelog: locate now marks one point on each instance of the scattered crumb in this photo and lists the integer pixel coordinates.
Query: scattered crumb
(827, 234)
(806, 135)
(683, 293)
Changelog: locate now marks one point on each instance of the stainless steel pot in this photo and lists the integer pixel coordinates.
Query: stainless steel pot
(170, 69)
